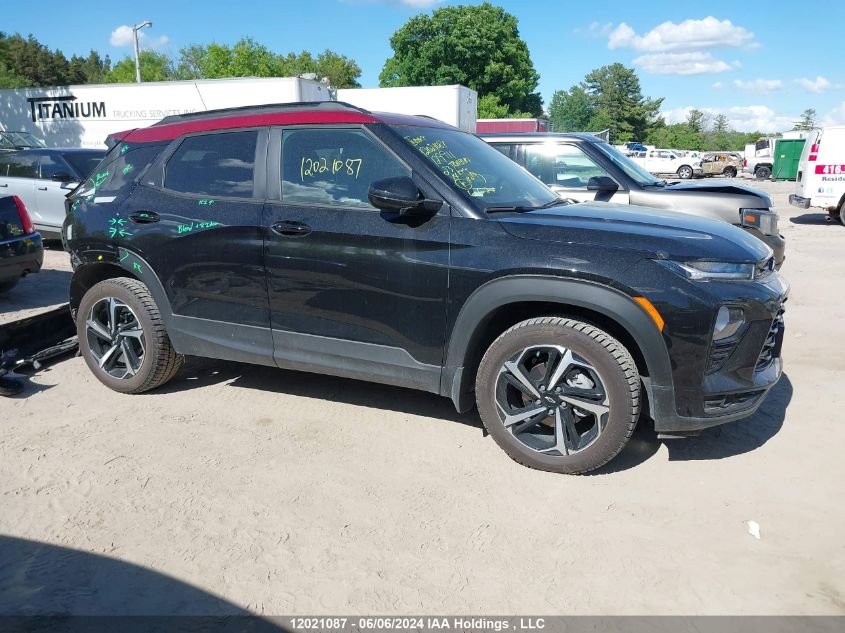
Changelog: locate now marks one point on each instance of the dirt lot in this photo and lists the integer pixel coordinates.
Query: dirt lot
(239, 487)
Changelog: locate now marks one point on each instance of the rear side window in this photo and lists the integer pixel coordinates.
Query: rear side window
(214, 165)
(22, 165)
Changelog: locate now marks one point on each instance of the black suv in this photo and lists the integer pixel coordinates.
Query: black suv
(400, 250)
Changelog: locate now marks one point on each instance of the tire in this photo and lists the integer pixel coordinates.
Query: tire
(730, 172)
(6, 286)
(135, 355)
(685, 172)
(842, 213)
(599, 373)
(762, 173)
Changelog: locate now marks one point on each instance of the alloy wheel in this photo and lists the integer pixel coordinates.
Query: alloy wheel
(552, 400)
(115, 338)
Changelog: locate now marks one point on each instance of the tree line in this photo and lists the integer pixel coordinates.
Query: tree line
(477, 46)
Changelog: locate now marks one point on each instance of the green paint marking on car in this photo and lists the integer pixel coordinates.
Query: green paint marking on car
(205, 202)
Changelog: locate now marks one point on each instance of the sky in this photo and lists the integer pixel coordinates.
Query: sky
(761, 64)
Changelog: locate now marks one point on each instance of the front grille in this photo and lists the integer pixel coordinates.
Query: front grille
(772, 345)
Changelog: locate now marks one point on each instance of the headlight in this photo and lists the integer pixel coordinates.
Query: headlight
(705, 271)
(728, 322)
(762, 219)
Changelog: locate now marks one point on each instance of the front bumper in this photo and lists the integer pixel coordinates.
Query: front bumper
(736, 386)
(798, 201)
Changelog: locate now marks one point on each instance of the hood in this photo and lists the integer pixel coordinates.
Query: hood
(719, 188)
(652, 232)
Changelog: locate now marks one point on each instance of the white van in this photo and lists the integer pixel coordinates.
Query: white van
(821, 172)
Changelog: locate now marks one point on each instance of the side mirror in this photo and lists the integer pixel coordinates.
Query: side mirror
(61, 176)
(401, 195)
(602, 183)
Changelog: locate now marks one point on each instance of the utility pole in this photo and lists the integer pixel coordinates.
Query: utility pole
(135, 30)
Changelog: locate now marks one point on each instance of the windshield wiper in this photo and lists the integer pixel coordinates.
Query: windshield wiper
(523, 208)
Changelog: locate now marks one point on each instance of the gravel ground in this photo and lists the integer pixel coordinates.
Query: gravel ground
(239, 488)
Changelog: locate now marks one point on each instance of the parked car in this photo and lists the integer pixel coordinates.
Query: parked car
(19, 140)
(821, 173)
(21, 251)
(398, 249)
(583, 168)
(664, 161)
(727, 164)
(42, 178)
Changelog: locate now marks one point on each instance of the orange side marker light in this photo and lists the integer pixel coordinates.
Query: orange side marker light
(652, 311)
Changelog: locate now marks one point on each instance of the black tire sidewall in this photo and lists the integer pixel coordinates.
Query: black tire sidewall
(687, 169)
(615, 433)
(112, 288)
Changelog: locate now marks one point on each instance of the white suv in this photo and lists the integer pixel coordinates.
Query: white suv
(664, 161)
(42, 178)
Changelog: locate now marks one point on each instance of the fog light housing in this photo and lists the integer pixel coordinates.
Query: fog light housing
(728, 322)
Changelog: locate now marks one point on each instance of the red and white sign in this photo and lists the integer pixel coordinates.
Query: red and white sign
(830, 169)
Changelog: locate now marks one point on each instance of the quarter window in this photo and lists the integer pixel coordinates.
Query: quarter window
(561, 165)
(214, 165)
(334, 167)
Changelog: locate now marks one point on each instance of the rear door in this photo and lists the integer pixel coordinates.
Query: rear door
(353, 290)
(18, 171)
(195, 218)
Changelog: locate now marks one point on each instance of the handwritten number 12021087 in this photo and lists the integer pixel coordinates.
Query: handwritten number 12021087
(315, 167)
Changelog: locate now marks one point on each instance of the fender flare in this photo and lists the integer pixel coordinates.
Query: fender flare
(609, 302)
(136, 266)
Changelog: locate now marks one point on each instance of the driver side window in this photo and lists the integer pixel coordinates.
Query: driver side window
(334, 167)
(561, 165)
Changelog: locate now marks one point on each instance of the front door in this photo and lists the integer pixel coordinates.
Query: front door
(567, 170)
(50, 194)
(353, 291)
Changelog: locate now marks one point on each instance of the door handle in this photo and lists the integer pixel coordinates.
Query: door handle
(291, 228)
(42, 188)
(144, 217)
(4, 185)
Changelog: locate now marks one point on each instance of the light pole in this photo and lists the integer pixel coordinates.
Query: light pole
(135, 30)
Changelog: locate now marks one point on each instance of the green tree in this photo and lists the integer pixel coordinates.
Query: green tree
(696, 121)
(490, 108)
(32, 62)
(721, 133)
(248, 58)
(477, 46)
(154, 67)
(571, 110)
(807, 121)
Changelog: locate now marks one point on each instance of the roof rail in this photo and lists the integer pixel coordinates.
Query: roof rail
(257, 109)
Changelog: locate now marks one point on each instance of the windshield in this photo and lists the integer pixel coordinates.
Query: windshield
(25, 139)
(634, 171)
(84, 162)
(483, 175)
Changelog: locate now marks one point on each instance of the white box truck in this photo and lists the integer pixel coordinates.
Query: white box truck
(455, 105)
(821, 173)
(83, 116)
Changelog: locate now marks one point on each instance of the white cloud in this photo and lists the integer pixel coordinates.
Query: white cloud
(597, 29)
(693, 63)
(834, 117)
(742, 118)
(758, 85)
(122, 36)
(688, 35)
(717, 85)
(817, 85)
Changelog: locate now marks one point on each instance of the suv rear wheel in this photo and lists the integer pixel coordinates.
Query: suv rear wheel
(122, 337)
(558, 394)
(730, 172)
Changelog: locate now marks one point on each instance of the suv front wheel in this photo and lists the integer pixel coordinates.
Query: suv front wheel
(685, 172)
(558, 394)
(122, 337)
